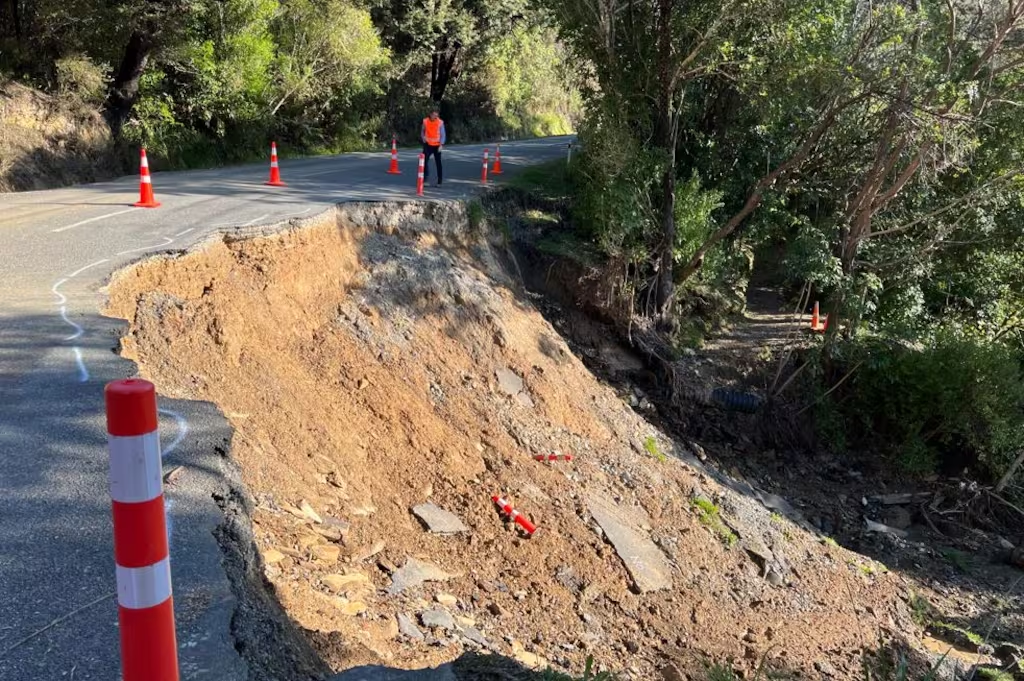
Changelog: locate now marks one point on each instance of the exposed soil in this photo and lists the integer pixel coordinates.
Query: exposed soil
(362, 358)
(48, 141)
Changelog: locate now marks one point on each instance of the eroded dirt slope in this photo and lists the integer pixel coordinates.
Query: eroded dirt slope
(377, 358)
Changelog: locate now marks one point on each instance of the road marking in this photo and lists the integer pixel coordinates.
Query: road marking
(58, 293)
(85, 222)
(255, 220)
(167, 241)
(82, 269)
(78, 329)
(184, 232)
(83, 373)
(182, 425)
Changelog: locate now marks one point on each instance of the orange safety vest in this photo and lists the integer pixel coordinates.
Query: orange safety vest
(432, 131)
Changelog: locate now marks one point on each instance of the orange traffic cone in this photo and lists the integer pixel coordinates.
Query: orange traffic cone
(815, 318)
(275, 172)
(146, 198)
(496, 170)
(393, 170)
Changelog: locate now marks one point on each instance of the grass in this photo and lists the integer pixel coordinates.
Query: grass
(651, 447)
(711, 518)
(546, 180)
(830, 542)
(475, 214)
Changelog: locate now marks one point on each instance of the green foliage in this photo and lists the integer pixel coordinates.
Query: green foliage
(948, 401)
(81, 79)
(651, 447)
(530, 83)
(710, 517)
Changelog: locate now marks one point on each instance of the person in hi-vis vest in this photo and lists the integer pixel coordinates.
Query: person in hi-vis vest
(434, 137)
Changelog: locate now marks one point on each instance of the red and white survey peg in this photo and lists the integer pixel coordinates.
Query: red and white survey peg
(514, 515)
(553, 457)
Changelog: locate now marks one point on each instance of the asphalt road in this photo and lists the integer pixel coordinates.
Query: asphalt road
(58, 615)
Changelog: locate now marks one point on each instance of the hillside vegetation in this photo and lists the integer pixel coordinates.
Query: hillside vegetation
(864, 155)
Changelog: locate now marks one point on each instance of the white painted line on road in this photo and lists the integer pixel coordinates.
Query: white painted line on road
(58, 293)
(255, 220)
(78, 329)
(184, 232)
(322, 172)
(82, 269)
(83, 373)
(85, 222)
(182, 425)
(167, 241)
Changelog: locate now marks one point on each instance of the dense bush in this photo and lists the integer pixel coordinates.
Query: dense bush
(949, 403)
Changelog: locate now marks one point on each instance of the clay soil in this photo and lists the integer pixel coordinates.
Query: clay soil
(357, 357)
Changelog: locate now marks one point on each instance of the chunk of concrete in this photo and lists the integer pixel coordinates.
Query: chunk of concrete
(438, 520)
(647, 565)
(414, 573)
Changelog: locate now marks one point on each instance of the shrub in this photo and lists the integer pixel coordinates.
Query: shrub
(950, 403)
(81, 79)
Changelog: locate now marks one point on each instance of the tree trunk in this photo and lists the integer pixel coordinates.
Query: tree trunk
(665, 141)
(442, 70)
(124, 90)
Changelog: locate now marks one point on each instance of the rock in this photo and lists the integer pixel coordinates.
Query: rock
(525, 400)
(509, 382)
(775, 579)
(414, 573)
(647, 565)
(474, 635)
(465, 622)
(368, 553)
(408, 628)
(438, 520)
(825, 668)
(353, 608)
(446, 599)
(872, 526)
(271, 556)
(437, 619)
(631, 646)
(1005, 544)
(672, 673)
(495, 609)
(750, 636)
(341, 583)
(309, 513)
(898, 517)
(329, 553)
(308, 540)
(329, 533)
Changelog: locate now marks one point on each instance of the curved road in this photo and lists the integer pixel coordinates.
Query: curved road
(58, 615)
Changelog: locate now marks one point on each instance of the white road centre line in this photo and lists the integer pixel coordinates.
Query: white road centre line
(78, 329)
(57, 293)
(167, 242)
(82, 269)
(85, 222)
(183, 233)
(83, 373)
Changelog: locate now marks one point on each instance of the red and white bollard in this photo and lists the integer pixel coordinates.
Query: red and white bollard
(419, 176)
(514, 515)
(483, 173)
(393, 170)
(149, 650)
(553, 457)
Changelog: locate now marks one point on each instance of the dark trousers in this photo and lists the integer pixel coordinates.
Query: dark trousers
(429, 151)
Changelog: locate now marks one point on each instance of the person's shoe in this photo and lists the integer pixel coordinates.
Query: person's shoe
(439, 183)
